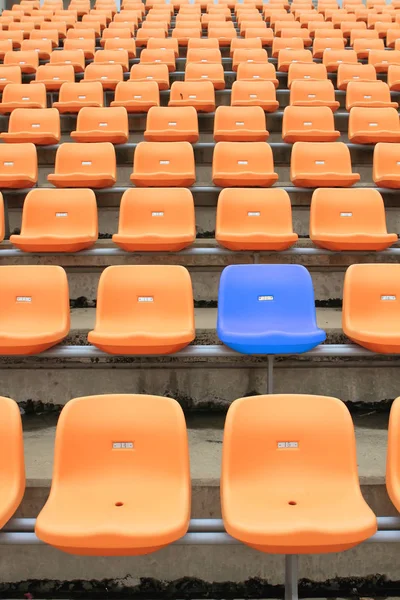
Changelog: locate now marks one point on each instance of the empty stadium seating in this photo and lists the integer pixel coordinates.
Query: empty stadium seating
(34, 305)
(276, 308)
(316, 164)
(298, 497)
(243, 164)
(308, 124)
(56, 220)
(378, 125)
(349, 219)
(169, 124)
(386, 165)
(84, 164)
(371, 306)
(156, 219)
(149, 458)
(170, 163)
(154, 313)
(102, 125)
(240, 124)
(41, 126)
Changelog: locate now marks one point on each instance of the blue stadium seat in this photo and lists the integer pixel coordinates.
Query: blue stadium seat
(267, 309)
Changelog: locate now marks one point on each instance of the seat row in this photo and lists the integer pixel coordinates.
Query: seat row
(172, 164)
(178, 124)
(143, 310)
(163, 219)
(132, 452)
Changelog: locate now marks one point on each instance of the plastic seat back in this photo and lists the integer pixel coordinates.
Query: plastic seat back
(18, 165)
(240, 124)
(142, 453)
(58, 221)
(136, 97)
(257, 72)
(106, 124)
(85, 165)
(280, 43)
(154, 314)
(247, 43)
(76, 58)
(196, 72)
(2, 218)
(243, 164)
(392, 458)
(333, 58)
(368, 126)
(306, 71)
(254, 93)
(12, 467)
(154, 72)
(23, 95)
(86, 45)
(276, 308)
(27, 60)
(288, 57)
(382, 59)
(9, 75)
(308, 124)
(201, 55)
(163, 57)
(112, 57)
(74, 96)
(363, 47)
(359, 72)
(313, 93)
(169, 124)
(109, 75)
(322, 44)
(278, 460)
(164, 44)
(34, 308)
(40, 126)
(167, 164)
(200, 95)
(260, 219)
(156, 219)
(249, 56)
(315, 164)
(386, 165)
(371, 296)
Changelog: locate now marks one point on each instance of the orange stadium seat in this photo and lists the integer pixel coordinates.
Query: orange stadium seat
(161, 323)
(113, 33)
(308, 124)
(363, 34)
(249, 56)
(87, 46)
(320, 32)
(224, 36)
(245, 44)
(74, 96)
(393, 77)
(164, 44)
(358, 72)
(81, 34)
(280, 43)
(333, 58)
(169, 124)
(108, 75)
(98, 22)
(27, 60)
(370, 314)
(6, 46)
(392, 458)
(264, 34)
(125, 520)
(240, 124)
(322, 44)
(348, 26)
(112, 57)
(108, 124)
(18, 165)
(200, 95)
(202, 43)
(369, 95)
(58, 25)
(203, 55)
(144, 35)
(257, 72)
(2, 219)
(313, 93)
(12, 466)
(34, 308)
(260, 219)
(326, 164)
(288, 57)
(364, 47)
(168, 164)
(184, 34)
(382, 59)
(9, 75)
(156, 220)
(55, 220)
(302, 499)
(155, 72)
(386, 165)
(197, 72)
(136, 97)
(76, 58)
(48, 34)
(302, 33)
(346, 220)
(128, 45)
(163, 57)
(257, 93)
(306, 71)
(43, 47)
(23, 95)
(25, 26)
(368, 126)
(392, 35)
(84, 165)
(41, 126)
(243, 164)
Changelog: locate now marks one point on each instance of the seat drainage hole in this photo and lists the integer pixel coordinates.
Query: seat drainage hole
(292, 503)
(119, 504)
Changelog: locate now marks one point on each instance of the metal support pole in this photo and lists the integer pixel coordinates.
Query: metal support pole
(291, 576)
(270, 382)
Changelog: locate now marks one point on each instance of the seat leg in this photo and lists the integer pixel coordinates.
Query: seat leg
(291, 576)
(270, 382)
